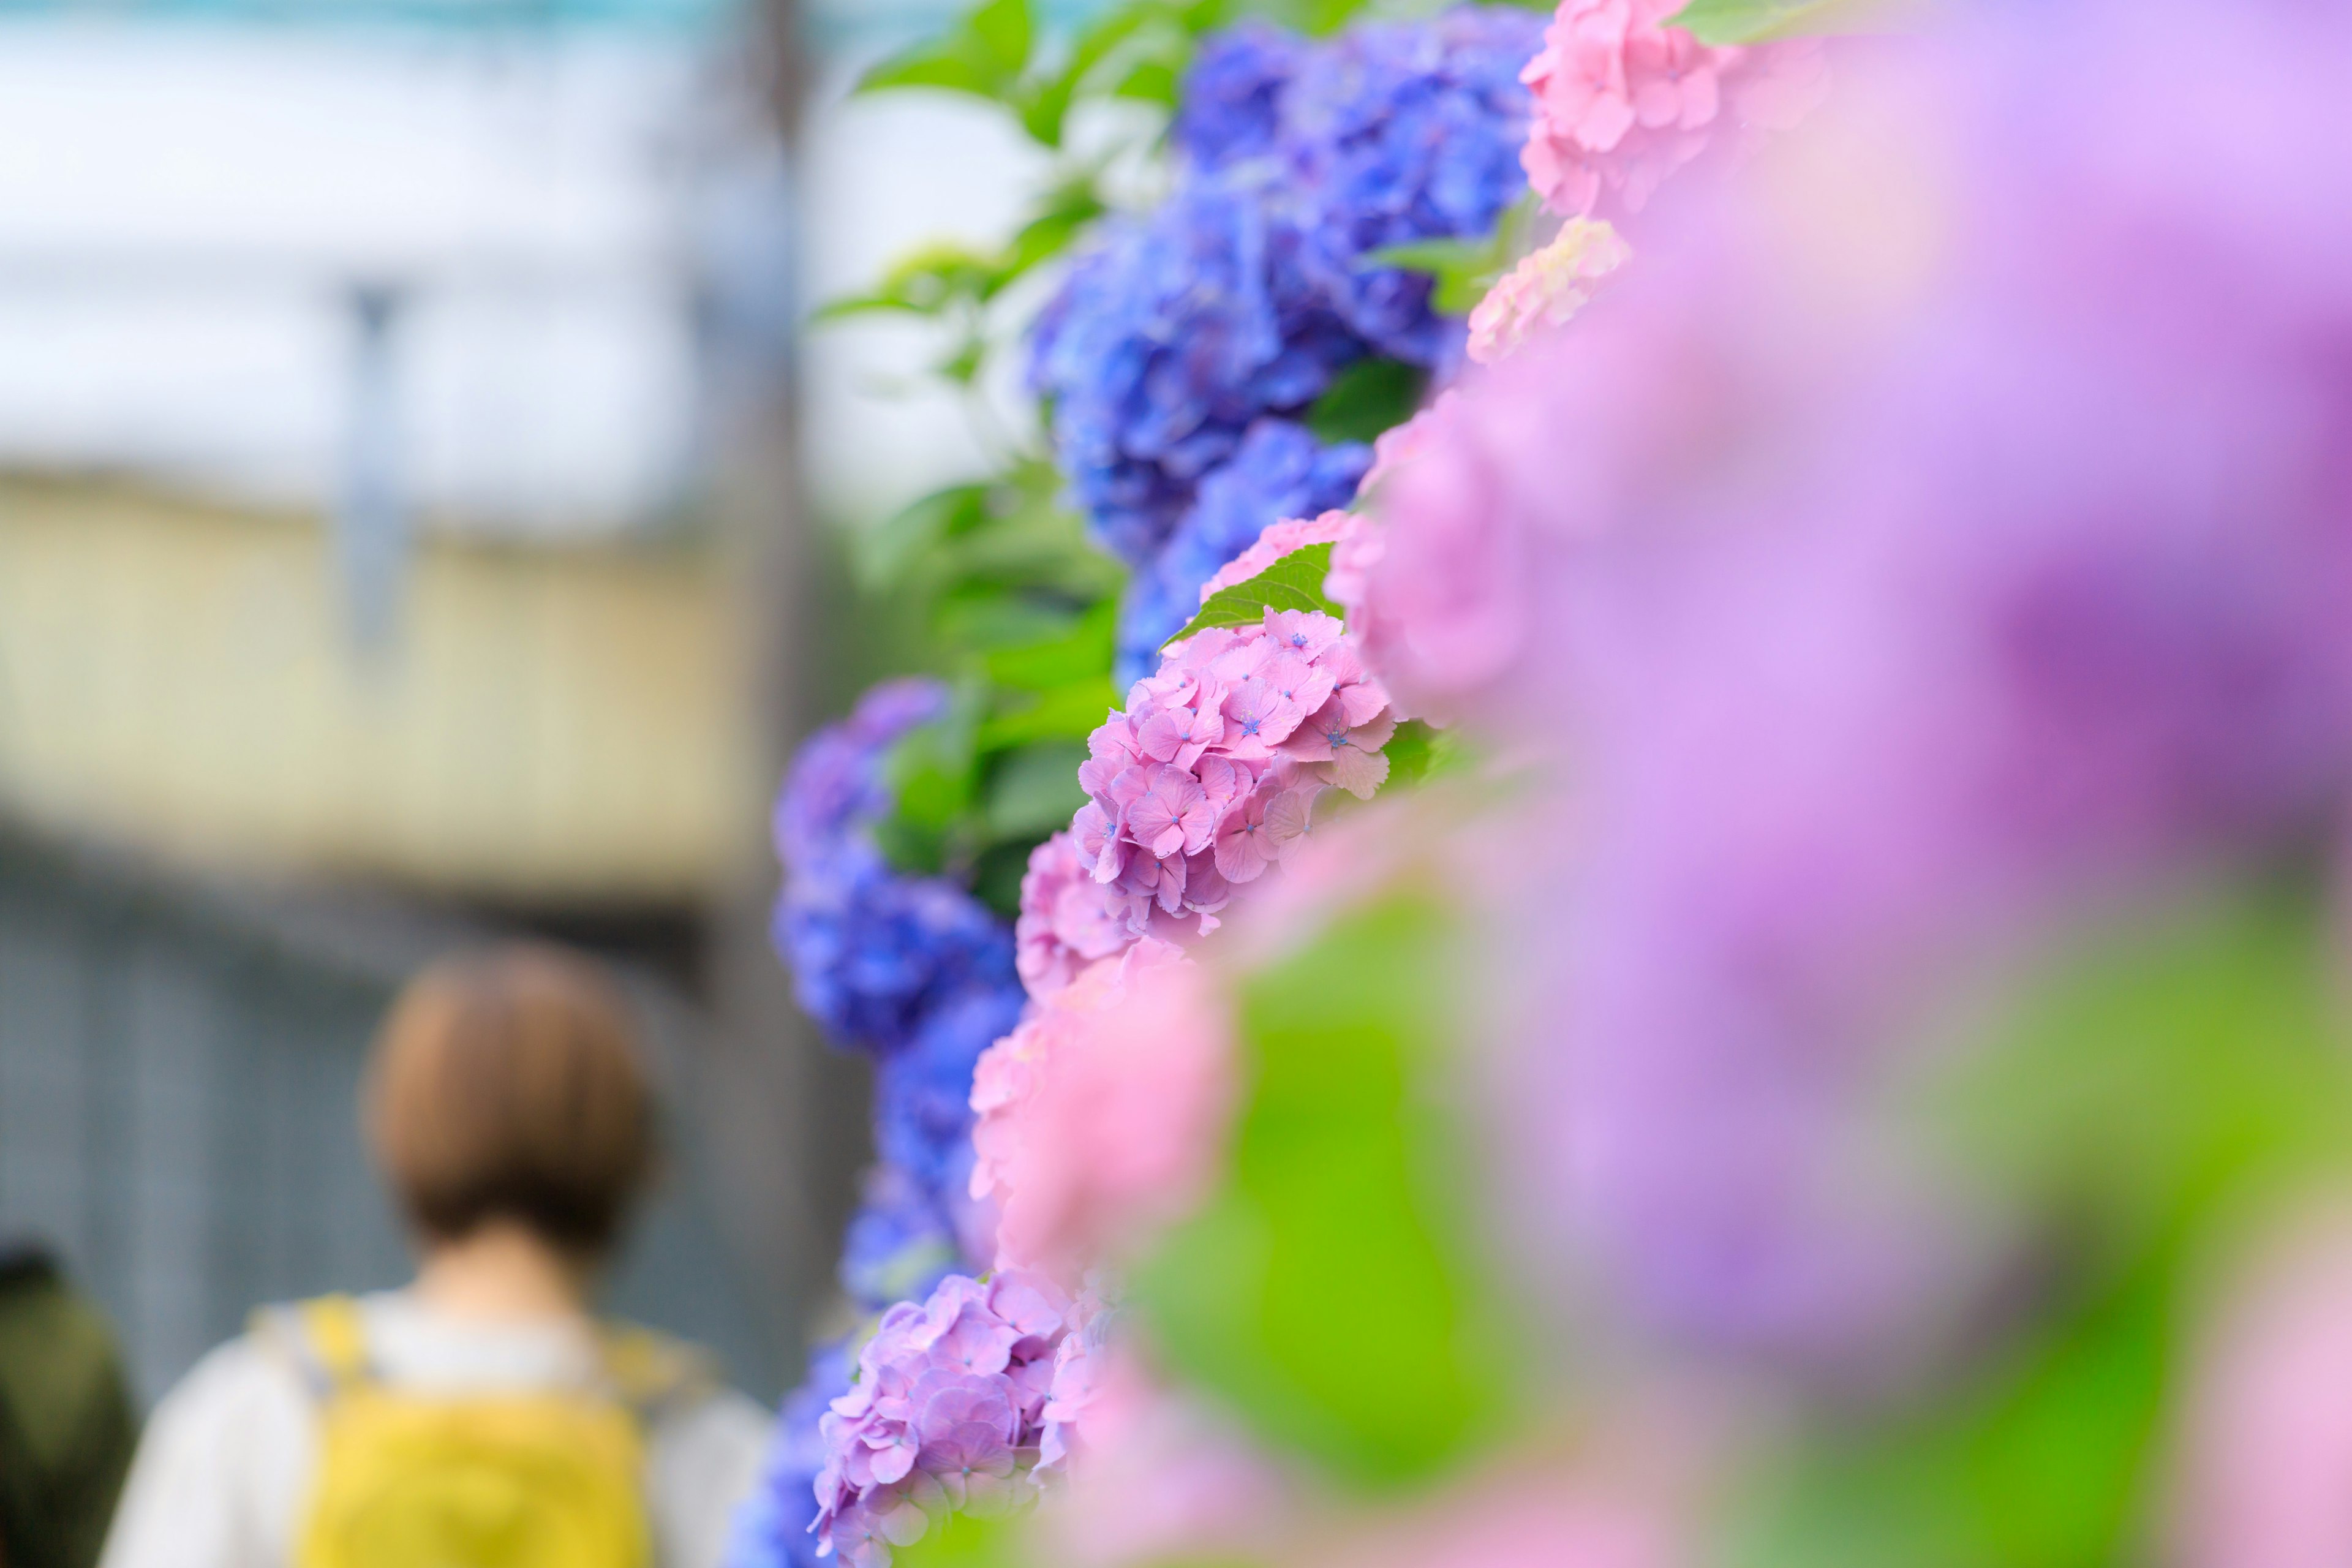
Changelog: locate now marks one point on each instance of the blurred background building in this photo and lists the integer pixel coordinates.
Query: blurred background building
(404, 539)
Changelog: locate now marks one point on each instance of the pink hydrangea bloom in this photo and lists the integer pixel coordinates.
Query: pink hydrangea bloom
(1067, 922)
(1278, 540)
(1102, 1114)
(1623, 100)
(1202, 783)
(1546, 289)
(949, 1402)
(1394, 449)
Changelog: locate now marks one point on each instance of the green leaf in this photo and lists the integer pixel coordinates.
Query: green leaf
(1330, 1293)
(1464, 269)
(1418, 751)
(1724, 22)
(1368, 398)
(1081, 649)
(1293, 583)
(882, 556)
(1034, 790)
(1151, 81)
(983, 54)
(1004, 28)
(926, 282)
(1071, 711)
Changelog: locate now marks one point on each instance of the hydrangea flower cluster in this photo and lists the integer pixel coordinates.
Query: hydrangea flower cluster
(1986, 631)
(873, 952)
(1624, 100)
(772, 1526)
(1190, 343)
(1279, 471)
(949, 1413)
(1207, 779)
(1546, 290)
(1099, 1116)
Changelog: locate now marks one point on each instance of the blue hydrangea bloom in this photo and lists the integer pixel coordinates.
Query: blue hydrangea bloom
(1279, 470)
(872, 950)
(1231, 102)
(899, 1244)
(1404, 132)
(1241, 296)
(771, 1527)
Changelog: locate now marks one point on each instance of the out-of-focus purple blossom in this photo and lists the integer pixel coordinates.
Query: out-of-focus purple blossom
(871, 950)
(1891, 597)
(946, 1412)
(1279, 471)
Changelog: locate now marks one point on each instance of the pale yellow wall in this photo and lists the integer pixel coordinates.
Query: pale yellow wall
(553, 722)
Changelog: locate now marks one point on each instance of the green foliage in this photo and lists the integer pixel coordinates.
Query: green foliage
(1369, 397)
(1328, 1293)
(1293, 583)
(1464, 269)
(1020, 609)
(1419, 751)
(1722, 22)
(2151, 1094)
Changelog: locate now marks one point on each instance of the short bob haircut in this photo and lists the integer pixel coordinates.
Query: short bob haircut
(506, 1085)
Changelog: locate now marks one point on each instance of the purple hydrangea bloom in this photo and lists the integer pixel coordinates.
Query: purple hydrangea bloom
(946, 1412)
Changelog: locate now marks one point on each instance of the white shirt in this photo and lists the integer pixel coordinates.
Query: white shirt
(223, 1472)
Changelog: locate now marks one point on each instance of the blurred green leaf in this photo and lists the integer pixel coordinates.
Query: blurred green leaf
(1419, 751)
(1064, 713)
(1293, 583)
(983, 54)
(882, 556)
(1150, 82)
(1463, 270)
(2157, 1090)
(1369, 398)
(926, 282)
(1032, 790)
(1082, 651)
(1329, 1291)
(1726, 22)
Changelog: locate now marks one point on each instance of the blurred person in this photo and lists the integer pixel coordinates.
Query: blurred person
(66, 1425)
(481, 1417)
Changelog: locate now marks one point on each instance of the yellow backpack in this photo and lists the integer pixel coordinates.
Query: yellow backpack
(525, 1480)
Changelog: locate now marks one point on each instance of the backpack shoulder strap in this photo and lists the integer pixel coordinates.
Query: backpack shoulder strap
(651, 1373)
(327, 1338)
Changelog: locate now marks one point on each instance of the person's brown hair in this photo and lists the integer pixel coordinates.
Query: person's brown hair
(507, 1084)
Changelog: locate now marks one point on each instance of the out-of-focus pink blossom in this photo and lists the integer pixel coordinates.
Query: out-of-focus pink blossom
(1546, 290)
(1102, 1116)
(2267, 1458)
(1873, 626)
(1395, 447)
(1623, 99)
(1161, 1478)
